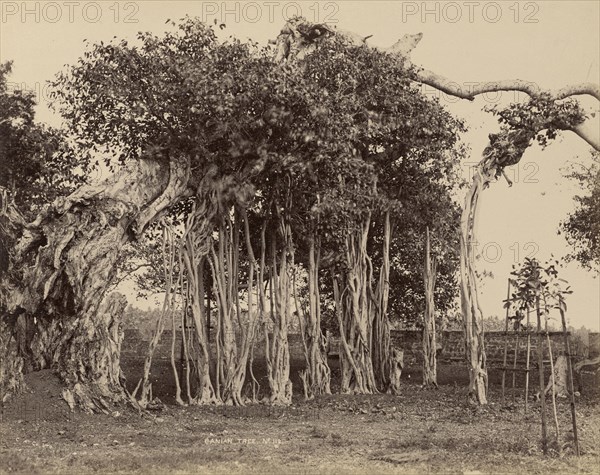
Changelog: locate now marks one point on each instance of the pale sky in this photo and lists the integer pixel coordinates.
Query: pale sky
(550, 43)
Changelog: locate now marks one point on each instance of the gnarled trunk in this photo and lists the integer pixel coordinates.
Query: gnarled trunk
(353, 306)
(93, 355)
(472, 314)
(277, 351)
(62, 266)
(386, 364)
(236, 335)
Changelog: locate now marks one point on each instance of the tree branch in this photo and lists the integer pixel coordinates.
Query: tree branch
(452, 88)
(298, 36)
(586, 131)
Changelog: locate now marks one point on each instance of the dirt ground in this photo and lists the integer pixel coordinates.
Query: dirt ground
(418, 431)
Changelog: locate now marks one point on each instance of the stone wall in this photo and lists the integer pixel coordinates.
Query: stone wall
(451, 346)
(135, 345)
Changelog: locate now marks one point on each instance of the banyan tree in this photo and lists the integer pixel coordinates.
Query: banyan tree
(283, 149)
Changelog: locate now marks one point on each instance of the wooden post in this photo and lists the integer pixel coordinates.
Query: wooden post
(540, 352)
(527, 362)
(514, 373)
(570, 378)
(553, 383)
(505, 340)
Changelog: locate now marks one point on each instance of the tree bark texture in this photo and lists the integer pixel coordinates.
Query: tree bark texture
(195, 254)
(384, 362)
(316, 377)
(354, 310)
(62, 265)
(472, 314)
(429, 330)
(236, 330)
(277, 349)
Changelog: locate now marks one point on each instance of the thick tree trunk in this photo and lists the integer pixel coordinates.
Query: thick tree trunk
(429, 330)
(11, 362)
(277, 349)
(472, 315)
(62, 266)
(316, 377)
(195, 252)
(352, 295)
(384, 361)
(95, 346)
(236, 335)
(84, 352)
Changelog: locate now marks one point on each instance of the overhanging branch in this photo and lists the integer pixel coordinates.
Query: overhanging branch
(473, 90)
(298, 37)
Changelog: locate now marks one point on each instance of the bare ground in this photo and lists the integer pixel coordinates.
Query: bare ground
(419, 431)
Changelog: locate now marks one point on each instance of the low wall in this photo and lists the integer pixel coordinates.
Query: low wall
(135, 345)
(451, 346)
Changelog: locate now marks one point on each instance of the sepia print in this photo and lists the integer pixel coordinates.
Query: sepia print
(299, 237)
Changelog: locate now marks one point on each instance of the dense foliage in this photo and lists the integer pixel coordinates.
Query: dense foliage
(37, 163)
(328, 142)
(582, 226)
(538, 119)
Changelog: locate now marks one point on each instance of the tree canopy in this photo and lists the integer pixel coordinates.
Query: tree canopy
(341, 133)
(320, 155)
